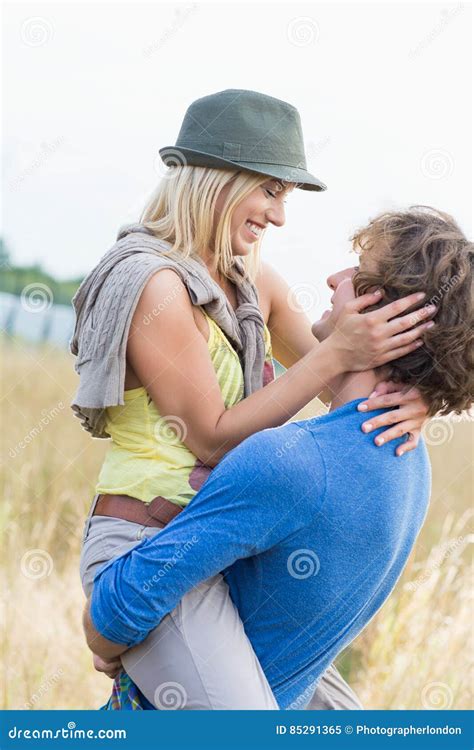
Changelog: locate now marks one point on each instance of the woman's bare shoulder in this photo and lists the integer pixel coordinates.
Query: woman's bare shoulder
(263, 284)
(270, 285)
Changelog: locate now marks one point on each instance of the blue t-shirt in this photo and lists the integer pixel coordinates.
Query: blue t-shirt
(311, 524)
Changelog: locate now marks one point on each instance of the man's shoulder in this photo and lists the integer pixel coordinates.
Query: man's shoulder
(281, 455)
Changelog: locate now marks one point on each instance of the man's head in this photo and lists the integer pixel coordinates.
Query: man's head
(424, 249)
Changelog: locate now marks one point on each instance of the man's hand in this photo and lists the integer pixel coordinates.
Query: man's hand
(99, 645)
(110, 667)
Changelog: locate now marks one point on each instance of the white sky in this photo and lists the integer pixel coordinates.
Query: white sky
(92, 91)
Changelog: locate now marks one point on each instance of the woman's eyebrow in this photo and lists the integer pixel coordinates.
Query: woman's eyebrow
(281, 184)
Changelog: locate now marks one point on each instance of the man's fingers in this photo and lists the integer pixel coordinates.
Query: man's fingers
(110, 667)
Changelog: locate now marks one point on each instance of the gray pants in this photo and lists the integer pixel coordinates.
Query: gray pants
(198, 657)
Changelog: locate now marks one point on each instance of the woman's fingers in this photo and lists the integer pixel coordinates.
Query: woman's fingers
(401, 414)
(399, 430)
(402, 339)
(396, 353)
(410, 320)
(410, 444)
(397, 307)
(365, 300)
(390, 386)
(388, 399)
(386, 386)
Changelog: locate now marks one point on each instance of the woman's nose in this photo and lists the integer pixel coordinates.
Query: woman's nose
(332, 282)
(276, 215)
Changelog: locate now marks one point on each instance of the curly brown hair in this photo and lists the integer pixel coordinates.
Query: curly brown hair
(422, 249)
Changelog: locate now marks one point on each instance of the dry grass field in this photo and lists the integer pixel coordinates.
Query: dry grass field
(416, 653)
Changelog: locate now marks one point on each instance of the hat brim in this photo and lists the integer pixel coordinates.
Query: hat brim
(174, 156)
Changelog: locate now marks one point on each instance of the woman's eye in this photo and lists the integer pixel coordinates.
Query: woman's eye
(273, 195)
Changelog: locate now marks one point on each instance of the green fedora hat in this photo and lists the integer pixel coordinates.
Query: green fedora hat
(241, 129)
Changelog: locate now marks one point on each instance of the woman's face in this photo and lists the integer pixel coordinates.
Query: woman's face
(264, 206)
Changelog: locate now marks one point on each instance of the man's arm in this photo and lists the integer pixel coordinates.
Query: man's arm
(251, 501)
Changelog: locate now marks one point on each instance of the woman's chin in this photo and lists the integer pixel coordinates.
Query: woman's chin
(242, 249)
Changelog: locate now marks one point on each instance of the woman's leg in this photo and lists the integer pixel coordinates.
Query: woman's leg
(199, 657)
(333, 693)
(204, 635)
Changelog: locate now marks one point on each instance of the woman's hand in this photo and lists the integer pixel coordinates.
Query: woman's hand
(363, 342)
(110, 667)
(408, 419)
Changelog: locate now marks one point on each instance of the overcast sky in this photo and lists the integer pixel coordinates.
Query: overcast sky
(92, 91)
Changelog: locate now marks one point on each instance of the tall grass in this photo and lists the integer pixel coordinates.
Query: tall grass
(414, 654)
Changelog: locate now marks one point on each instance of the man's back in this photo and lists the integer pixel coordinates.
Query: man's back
(303, 600)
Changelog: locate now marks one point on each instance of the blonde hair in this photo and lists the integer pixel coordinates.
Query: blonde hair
(181, 212)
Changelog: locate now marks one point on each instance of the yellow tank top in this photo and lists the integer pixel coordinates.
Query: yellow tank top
(146, 458)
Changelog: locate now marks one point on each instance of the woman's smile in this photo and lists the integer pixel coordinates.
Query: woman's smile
(253, 230)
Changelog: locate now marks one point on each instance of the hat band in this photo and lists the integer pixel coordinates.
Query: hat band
(249, 154)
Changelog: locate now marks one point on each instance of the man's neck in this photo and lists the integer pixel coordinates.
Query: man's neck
(352, 385)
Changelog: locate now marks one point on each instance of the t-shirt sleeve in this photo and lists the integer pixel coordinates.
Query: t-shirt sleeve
(259, 494)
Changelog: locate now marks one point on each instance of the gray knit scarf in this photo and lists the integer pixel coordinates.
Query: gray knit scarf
(105, 303)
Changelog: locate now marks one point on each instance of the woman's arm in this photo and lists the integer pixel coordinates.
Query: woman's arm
(171, 359)
(289, 326)
(292, 339)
